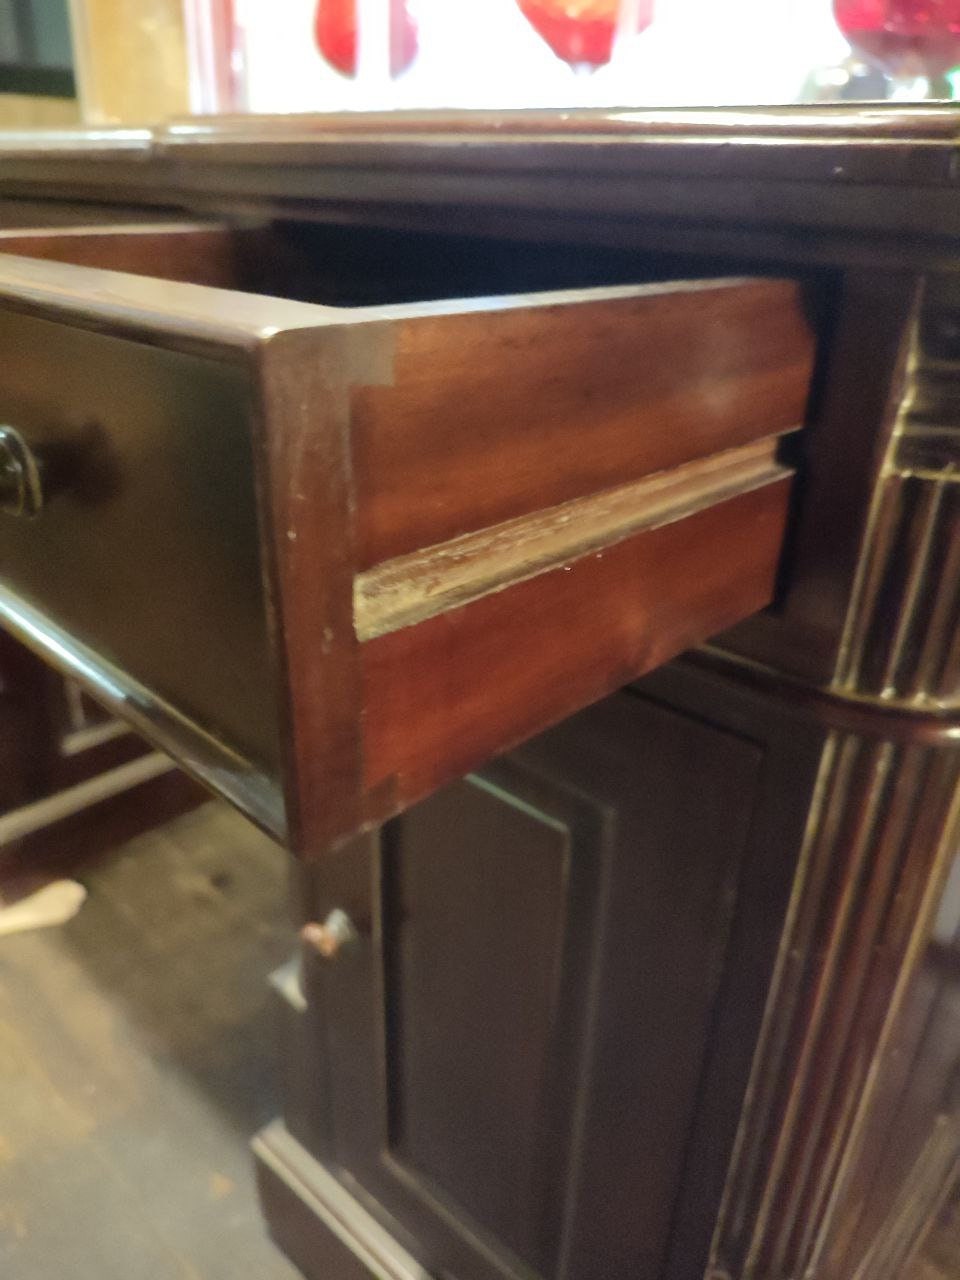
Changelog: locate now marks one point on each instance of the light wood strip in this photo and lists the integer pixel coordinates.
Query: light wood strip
(409, 589)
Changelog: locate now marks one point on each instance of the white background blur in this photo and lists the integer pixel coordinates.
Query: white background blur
(483, 53)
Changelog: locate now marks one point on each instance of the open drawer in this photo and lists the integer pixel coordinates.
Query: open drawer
(331, 557)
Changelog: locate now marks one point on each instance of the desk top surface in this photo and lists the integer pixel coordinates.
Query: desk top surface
(878, 170)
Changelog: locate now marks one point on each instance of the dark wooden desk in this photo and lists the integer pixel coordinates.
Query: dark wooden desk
(670, 986)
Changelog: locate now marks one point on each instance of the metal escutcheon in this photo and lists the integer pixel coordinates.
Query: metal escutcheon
(21, 476)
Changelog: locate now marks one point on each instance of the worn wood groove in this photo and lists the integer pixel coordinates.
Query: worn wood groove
(410, 589)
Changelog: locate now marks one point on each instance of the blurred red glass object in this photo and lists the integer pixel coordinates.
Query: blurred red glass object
(335, 31)
(903, 37)
(582, 32)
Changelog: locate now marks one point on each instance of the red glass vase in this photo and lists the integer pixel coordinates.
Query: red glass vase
(904, 38)
(581, 32)
(335, 31)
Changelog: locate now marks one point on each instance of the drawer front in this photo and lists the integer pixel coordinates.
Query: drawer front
(345, 555)
(146, 552)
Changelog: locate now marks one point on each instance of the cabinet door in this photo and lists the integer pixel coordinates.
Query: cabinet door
(514, 1045)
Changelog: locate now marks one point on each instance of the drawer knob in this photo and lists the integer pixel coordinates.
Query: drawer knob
(330, 938)
(21, 476)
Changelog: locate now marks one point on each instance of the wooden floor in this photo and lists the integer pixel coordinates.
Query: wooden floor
(136, 1060)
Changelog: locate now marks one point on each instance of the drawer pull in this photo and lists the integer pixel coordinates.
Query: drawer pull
(21, 475)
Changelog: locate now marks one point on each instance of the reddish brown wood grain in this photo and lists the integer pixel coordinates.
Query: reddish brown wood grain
(303, 445)
(443, 696)
(498, 412)
(874, 185)
(190, 252)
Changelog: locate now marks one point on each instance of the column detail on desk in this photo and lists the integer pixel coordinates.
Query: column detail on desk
(814, 1178)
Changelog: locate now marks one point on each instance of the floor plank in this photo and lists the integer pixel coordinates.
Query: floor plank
(137, 1049)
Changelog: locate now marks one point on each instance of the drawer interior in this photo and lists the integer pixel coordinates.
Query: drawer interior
(344, 266)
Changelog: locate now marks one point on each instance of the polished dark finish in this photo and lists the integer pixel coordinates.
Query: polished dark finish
(881, 840)
(536, 1054)
(668, 989)
(880, 170)
(264, 523)
(156, 458)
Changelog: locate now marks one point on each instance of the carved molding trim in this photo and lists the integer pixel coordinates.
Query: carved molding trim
(881, 835)
(929, 1186)
(882, 832)
(902, 639)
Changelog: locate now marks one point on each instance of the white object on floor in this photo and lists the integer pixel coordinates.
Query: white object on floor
(54, 903)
